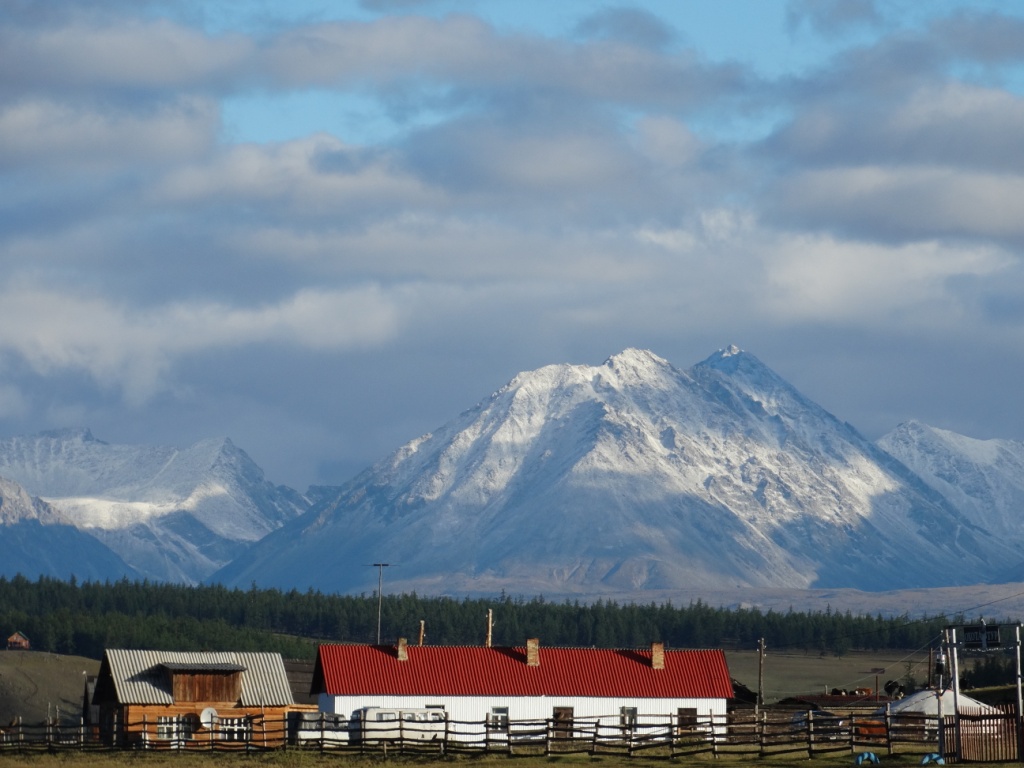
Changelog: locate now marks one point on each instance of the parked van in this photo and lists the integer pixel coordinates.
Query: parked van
(373, 725)
(320, 728)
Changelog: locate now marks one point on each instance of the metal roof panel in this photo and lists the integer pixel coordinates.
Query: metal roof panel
(138, 677)
(477, 671)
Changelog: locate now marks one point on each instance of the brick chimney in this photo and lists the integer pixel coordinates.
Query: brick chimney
(657, 655)
(533, 652)
(402, 651)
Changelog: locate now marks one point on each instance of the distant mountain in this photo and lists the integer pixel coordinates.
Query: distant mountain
(632, 475)
(173, 515)
(984, 479)
(37, 540)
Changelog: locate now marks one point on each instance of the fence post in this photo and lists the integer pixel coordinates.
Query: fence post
(809, 733)
(888, 727)
(714, 732)
(759, 724)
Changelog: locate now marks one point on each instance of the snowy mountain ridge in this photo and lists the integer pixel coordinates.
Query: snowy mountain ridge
(632, 479)
(984, 479)
(633, 475)
(171, 514)
(37, 539)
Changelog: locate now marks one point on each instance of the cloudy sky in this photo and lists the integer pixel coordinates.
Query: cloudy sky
(325, 228)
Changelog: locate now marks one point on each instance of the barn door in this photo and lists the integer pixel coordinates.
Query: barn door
(562, 722)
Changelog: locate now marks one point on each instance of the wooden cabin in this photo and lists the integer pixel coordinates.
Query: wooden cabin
(18, 642)
(173, 699)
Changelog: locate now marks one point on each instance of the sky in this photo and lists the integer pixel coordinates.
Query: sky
(323, 229)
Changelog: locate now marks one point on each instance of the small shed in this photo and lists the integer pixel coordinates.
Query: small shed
(170, 698)
(18, 642)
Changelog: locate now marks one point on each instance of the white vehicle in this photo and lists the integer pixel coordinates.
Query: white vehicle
(320, 728)
(373, 725)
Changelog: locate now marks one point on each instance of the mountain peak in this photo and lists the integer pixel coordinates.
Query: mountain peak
(633, 357)
(728, 359)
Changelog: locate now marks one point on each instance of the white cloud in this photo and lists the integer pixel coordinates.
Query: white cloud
(314, 178)
(905, 203)
(128, 54)
(132, 349)
(823, 279)
(64, 136)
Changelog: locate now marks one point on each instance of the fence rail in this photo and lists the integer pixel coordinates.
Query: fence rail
(768, 733)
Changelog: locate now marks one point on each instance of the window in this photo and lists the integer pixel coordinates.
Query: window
(234, 728)
(498, 720)
(166, 727)
(627, 717)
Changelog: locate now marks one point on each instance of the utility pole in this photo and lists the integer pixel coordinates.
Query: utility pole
(380, 593)
(760, 677)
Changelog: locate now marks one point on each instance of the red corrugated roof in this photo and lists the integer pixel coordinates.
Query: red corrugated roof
(350, 670)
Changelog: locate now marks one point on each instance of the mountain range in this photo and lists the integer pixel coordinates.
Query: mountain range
(169, 514)
(632, 477)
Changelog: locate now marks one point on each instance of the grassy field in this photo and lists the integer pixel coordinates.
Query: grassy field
(34, 684)
(792, 673)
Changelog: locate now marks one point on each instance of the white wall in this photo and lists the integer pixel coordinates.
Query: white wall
(465, 710)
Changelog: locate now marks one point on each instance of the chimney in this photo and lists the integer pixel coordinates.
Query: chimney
(402, 650)
(533, 652)
(657, 655)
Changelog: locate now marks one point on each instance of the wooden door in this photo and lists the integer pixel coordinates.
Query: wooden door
(562, 722)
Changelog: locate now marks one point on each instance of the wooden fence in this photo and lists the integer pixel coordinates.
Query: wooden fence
(981, 737)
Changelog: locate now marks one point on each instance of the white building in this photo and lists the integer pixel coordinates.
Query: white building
(497, 693)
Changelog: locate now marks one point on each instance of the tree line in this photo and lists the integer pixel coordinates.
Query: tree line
(86, 618)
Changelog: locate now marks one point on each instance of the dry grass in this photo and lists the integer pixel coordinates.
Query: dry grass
(34, 685)
(793, 673)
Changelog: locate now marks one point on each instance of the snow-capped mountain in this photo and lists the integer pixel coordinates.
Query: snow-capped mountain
(37, 540)
(631, 475)
(175, 515)
(984, 479)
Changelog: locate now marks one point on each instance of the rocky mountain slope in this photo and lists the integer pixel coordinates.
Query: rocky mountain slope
(632, 475)
(38, 540)
(175, 515)
(984, 479)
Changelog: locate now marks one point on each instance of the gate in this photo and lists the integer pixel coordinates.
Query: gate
(985, 737)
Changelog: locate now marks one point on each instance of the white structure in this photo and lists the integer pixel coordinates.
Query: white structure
(501, 693)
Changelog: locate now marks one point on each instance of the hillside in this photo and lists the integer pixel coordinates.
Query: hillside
(35, 685)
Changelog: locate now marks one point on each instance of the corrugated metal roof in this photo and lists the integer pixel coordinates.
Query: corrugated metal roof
(139, 678)
(346, 670)
(175, 667)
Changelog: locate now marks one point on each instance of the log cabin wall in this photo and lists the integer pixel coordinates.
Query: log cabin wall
(206, 686)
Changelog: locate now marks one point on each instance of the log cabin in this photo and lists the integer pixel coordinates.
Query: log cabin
(179, 699)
